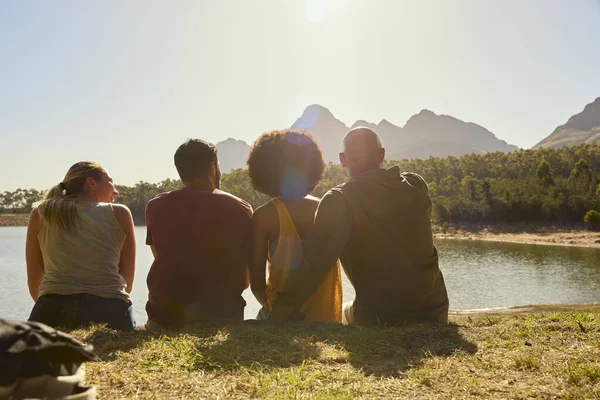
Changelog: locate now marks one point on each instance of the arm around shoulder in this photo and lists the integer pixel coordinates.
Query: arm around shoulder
(321, 248)
(258, 255)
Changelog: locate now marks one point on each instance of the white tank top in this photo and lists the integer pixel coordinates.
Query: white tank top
(85, 259)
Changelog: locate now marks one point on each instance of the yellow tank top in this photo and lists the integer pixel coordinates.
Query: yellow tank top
(326, 303)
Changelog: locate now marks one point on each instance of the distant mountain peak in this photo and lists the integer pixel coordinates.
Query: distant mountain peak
(587, 119)
(363, 123)
(318, 110)
(583, 127)
(315, 114)
(316, 106)
(423, 115)
(426, 113)
(231, 141)
(425, 134)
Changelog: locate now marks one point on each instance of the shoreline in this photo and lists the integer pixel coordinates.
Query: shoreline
(7, 220)
(569, 235)
(529, 309)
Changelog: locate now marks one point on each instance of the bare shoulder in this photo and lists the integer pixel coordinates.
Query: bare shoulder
(34, 218)
(35, 214)
(266, 212)
(121, 211)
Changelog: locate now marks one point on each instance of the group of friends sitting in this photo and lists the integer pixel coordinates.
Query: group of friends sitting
(209, 245)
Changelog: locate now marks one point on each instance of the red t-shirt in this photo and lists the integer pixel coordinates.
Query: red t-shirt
(202, 240)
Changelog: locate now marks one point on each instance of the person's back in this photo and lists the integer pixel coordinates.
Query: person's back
(378, 224)
(390, 257)
(287, 165)
(200, 238)
(88, 261)
(80, 252)
(287, 223)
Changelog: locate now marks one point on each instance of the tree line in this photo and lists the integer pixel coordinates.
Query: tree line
(554, 185)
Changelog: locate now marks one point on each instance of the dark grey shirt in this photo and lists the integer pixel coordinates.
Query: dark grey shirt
(379, 225)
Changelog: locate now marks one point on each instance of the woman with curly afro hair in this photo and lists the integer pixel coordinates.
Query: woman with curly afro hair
(287, 165)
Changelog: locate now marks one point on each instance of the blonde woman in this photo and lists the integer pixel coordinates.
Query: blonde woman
(80, 252)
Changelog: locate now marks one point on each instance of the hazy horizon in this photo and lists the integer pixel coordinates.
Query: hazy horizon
(124, 83)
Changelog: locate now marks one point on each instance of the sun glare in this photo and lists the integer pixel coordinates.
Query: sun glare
(316, 11)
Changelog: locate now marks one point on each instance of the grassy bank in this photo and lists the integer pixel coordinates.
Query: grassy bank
(554, 355)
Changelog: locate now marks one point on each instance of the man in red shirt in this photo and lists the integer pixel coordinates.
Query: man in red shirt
(200, 238)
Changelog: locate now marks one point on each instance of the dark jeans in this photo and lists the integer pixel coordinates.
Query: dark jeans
(76, 310)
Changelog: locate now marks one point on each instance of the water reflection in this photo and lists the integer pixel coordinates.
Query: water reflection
(478, 275)
(489, 274)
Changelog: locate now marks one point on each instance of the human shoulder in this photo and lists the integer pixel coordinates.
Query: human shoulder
(415, 180)
(35, 219)
(159, 199)
(335, 197)
(312, 199)
(310, 204)
(338, 189)
(123, 216)
(336, 192)
(35, 213)
(121, 211)
(233, 200)
(265, 215)
(264, 210)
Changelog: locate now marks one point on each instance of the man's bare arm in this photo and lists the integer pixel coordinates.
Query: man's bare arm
(322, 246)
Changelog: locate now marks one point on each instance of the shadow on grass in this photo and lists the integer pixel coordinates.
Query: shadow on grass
(108, 343)
(379, 351)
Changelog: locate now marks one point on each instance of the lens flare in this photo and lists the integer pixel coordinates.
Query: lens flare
(293, 184)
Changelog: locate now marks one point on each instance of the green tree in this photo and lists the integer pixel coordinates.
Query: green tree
(592, 218)
(544, 173)
(581, 173)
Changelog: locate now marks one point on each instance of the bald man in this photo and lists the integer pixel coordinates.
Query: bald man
(378, 224)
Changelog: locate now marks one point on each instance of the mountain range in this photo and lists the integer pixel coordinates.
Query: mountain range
(424, 134)
(580, 128)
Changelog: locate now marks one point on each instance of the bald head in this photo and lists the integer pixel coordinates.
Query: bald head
(361, 151)
(359, 140)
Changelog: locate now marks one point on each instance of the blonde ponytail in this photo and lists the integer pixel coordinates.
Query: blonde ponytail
(59, 204)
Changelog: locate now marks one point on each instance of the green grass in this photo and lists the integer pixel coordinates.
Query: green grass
(554, 356)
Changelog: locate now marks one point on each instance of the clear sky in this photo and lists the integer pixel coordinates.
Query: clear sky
(125, 82)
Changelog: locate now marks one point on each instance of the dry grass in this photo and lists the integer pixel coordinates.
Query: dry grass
(535, 356)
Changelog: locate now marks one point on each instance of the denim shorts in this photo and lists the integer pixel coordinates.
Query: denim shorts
(76, 310)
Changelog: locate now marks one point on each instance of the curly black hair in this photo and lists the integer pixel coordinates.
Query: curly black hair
(287, 163)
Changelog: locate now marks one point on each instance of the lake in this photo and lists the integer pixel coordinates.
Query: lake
(478, 275)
